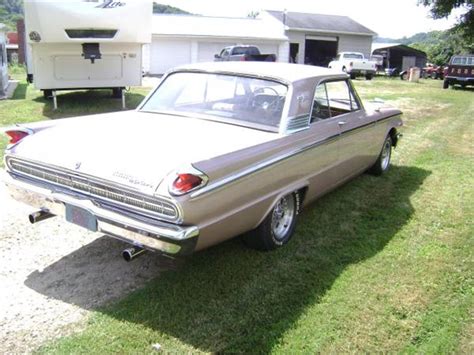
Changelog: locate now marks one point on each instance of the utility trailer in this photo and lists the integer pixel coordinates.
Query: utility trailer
(86, 44)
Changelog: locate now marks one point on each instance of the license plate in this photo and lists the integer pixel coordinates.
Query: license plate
(81, 217)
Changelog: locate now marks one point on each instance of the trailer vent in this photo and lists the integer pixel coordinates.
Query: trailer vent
(91, 33)
(91, 51)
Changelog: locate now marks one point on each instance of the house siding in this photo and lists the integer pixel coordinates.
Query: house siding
(355, 43)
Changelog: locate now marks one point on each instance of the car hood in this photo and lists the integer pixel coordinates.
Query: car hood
(136, 149)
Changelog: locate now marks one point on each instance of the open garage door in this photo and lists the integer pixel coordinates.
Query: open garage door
(320, 50)
(166, 54)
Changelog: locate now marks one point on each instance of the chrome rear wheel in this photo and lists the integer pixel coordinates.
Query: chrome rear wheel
(278, 226)
(282, 216)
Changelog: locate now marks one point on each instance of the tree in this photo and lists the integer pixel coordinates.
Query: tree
(443, 8)
(10, 12)
(167, 9)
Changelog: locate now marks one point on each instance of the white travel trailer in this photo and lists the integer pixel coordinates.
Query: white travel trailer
(86, 44)
(3, 63)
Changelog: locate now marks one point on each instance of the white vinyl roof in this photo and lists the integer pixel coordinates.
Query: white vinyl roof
(217, 27)
(281, 71)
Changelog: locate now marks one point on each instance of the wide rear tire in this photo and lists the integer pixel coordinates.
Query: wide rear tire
(278, 226)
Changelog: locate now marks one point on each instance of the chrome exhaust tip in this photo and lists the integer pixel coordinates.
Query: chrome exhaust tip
(39, 216)
(131, 253)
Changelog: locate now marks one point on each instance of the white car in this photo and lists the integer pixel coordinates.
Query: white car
(354, 64)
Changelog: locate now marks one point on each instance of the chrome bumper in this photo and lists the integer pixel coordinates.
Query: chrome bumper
(157, 236)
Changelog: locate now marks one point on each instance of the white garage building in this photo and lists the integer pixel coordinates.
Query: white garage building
(296, 37)
(184, 39)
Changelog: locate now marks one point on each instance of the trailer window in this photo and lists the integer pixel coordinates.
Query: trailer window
(91, 33)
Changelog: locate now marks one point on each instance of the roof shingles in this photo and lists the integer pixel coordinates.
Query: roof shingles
(319, 22)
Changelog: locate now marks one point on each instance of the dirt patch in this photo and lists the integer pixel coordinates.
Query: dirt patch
(53, 274)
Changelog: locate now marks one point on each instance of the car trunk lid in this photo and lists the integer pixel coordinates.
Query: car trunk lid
(134, 148)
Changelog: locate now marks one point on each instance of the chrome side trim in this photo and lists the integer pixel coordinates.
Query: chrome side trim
(260, 166)
(255, 168)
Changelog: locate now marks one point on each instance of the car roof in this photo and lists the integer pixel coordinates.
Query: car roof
(278, 71)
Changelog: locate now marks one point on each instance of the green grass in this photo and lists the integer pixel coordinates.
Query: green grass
(379, 265)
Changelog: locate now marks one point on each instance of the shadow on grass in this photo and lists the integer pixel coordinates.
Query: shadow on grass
(460, 88)
(87, 102)
(232, 299)
(20, 91)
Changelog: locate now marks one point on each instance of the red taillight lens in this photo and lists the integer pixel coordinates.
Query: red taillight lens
(16, 135)
(185, 183)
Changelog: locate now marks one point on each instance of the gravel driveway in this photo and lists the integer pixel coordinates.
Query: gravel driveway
(52, 274)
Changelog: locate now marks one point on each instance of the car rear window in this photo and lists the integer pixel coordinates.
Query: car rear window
(246, 101)
(463, 61)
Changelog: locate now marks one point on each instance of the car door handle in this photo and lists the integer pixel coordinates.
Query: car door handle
(341, 123)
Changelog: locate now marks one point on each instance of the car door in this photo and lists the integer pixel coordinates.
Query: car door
(355, 127)
(322, 161)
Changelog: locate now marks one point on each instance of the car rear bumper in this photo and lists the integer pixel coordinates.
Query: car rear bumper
(149, 234)
(460, 80)
(362, 71)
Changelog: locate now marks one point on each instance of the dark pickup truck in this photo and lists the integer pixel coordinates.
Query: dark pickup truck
(460, 71)
(243, 53)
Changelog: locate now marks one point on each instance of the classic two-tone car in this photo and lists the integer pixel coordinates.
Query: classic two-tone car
(215, 151)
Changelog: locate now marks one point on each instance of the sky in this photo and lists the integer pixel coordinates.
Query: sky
(392, 19)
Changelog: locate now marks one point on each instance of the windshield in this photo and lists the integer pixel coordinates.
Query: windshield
(245, 101)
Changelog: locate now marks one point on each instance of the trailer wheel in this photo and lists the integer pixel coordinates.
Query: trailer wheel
(117, 93)
(47, 94)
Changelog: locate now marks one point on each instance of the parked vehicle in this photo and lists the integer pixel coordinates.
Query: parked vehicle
(378, 59)
(243, 54)
(215, 151)
(460, 71)
(392, 72)
(354, 64)
(432, 71)
(76, 45)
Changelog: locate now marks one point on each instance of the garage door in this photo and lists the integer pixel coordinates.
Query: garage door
(206, 50)
(166, 54)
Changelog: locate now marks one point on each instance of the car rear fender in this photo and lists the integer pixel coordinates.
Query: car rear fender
(300, 187)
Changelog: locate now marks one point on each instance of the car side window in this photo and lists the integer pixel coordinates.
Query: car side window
(320, 109)
(332, 99)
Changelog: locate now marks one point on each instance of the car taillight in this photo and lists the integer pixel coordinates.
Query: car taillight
(185, 183)
(16, 135)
